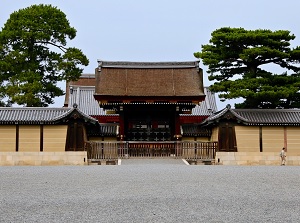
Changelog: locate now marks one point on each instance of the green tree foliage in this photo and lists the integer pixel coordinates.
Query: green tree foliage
(236, 59)
(34, 56)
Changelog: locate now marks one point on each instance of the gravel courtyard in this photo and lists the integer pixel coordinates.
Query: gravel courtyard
(153, 191)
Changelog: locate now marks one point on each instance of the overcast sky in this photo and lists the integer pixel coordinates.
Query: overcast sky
(160, 30)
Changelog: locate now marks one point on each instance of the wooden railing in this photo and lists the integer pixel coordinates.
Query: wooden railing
(199, 150)
(192, 150)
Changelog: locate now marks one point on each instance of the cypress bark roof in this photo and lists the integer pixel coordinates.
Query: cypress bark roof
(152, 79)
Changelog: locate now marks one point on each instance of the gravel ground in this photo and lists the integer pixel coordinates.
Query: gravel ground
(157, 191)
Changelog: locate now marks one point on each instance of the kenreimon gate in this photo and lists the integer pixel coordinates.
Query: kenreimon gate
(149, 99)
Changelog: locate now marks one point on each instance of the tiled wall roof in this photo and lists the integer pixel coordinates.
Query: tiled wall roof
(29, 114)
(36, 115)
(258, 116)
(270, 116)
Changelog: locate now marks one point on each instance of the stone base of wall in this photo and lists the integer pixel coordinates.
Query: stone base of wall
(254, 158)
(42, 158)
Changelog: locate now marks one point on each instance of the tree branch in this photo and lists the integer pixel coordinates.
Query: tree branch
(62, 48)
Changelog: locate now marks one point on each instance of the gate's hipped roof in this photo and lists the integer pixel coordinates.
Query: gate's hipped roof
(150, 79)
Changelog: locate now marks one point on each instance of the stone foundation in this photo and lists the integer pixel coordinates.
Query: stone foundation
(254, 158)
(42, 158)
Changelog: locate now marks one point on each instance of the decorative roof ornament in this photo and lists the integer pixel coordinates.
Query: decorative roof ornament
(100, 63)
(75, 105)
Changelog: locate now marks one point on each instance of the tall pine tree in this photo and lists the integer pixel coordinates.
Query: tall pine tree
(34, 56)
(236, 59)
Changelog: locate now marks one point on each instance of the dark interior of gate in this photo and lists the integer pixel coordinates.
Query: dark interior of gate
(150, 123)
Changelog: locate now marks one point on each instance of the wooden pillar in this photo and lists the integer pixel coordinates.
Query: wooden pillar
(122, 124)
(177, 132)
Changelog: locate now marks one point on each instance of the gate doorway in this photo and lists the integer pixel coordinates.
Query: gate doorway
(227, 139)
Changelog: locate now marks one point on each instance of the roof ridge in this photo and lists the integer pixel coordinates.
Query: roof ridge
(136, 64)
(268, 109)
(238, 116)
(34, 108)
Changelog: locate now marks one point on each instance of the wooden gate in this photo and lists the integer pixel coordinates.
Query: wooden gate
(227, 139)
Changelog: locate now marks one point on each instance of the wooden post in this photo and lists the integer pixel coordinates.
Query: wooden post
(122, 124)
(177, 132)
